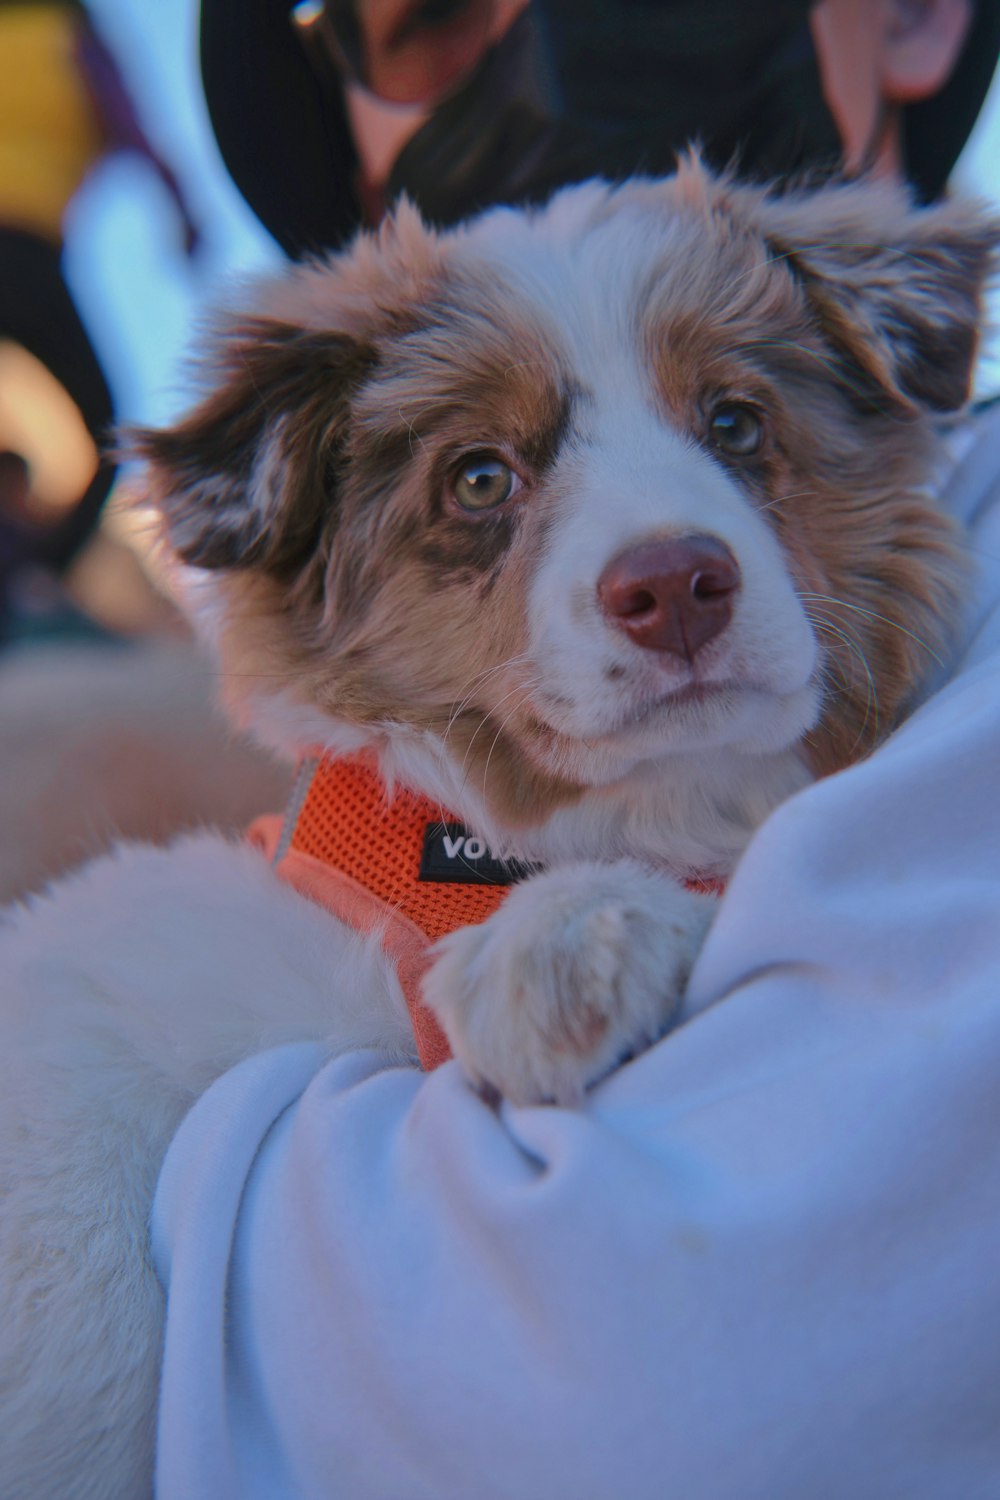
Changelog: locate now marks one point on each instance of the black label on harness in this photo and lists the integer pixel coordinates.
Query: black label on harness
(451, 853)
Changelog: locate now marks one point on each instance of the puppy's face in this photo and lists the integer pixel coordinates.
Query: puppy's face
(635, 476)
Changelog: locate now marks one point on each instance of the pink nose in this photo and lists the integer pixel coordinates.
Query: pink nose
(673, 595)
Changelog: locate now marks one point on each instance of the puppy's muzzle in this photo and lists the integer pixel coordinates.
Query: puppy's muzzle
(675, 595)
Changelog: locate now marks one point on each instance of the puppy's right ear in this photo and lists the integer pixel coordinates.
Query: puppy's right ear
(247, 478)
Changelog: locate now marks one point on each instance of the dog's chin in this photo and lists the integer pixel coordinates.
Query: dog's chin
(695, 719)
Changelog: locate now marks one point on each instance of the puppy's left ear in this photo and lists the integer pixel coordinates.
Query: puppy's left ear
(246, 478)
(898, 291)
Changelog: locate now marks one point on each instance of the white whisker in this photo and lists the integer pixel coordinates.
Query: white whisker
(471, 684)
(874, 615)
(853, 646)
(500, 731)
(489, 714)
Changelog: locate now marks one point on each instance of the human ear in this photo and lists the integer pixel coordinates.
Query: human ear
(920, 45)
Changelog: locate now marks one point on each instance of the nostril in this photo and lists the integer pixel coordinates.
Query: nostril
(640, 602)
(710, 583)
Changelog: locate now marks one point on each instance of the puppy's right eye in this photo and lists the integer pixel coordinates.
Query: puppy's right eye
(484, 482)
(736, 428)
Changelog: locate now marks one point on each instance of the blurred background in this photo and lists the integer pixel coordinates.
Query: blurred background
(118, 226)
(93, 741)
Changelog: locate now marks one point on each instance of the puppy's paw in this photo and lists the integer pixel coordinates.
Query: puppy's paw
(580, 968)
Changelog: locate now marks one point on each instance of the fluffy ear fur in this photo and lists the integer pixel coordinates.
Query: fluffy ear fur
(897, 290)
(246, 478)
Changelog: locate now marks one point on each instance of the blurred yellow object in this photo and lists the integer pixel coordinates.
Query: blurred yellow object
(49, 135)
(41, 422)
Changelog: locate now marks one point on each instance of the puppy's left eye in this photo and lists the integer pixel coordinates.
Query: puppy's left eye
(484, 482)
(736, 429)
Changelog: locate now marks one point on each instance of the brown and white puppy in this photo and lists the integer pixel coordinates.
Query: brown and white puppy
(607, 525)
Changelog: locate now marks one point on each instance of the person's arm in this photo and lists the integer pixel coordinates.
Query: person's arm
(761, 1262)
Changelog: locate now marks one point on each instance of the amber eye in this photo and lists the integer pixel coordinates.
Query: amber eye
(484, 482)
(736, 429)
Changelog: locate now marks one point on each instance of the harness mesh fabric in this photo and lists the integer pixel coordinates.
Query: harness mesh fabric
(353, 848)
(348, 822)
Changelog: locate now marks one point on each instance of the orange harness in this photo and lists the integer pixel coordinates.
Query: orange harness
(402, 868)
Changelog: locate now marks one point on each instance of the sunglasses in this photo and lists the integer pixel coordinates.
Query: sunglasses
(404, 51)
